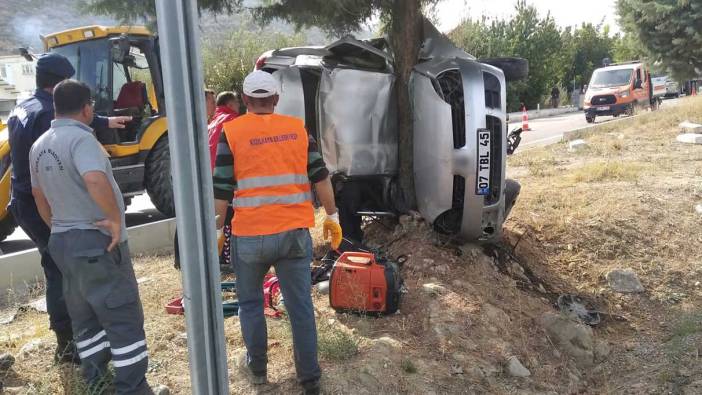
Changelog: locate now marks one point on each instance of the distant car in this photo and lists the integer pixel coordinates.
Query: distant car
(345, 93)
(672, 88)
(621, 88)
(658, 86)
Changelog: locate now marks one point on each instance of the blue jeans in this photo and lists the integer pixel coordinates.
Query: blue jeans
(290, 253)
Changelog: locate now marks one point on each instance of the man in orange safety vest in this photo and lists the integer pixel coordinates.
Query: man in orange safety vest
(266, 163)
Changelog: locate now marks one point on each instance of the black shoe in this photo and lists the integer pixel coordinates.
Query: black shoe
(256, 378)
(311, 387)
(66, 351)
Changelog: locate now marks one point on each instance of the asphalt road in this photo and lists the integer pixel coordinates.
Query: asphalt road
(545, 131)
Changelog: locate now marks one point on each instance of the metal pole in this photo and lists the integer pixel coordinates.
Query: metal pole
(192, 186)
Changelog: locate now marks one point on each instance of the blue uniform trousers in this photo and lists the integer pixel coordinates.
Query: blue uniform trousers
(27, 217)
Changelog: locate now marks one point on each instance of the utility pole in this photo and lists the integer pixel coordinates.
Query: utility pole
(194, 199)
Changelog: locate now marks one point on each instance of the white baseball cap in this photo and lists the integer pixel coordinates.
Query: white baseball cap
(260, 84)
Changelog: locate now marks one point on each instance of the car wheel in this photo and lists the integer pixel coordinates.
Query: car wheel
(514, 68)
(158, 180)
(630, 110)
(7, 226)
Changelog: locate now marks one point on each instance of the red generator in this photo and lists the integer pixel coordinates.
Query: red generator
(359, 284)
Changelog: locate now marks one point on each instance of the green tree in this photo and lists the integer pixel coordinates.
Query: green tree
(526, 35)
(669, 30)
(241, 48)
(404, 19)
(628, 47)
(584, 50)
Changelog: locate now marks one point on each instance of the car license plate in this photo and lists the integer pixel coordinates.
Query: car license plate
(482, 186)
(603, 108)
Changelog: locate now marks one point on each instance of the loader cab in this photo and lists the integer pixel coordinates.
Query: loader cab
(122, 68)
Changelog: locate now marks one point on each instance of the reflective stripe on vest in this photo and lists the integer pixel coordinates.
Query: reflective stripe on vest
(259, 201)
(271, 181)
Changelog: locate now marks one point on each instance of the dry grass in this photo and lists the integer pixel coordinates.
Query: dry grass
(607, 171)
(335, 343)
(626, 202)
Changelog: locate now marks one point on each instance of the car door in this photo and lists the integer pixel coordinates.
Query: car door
(356, 110)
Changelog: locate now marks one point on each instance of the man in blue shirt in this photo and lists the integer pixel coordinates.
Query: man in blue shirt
(27, 122)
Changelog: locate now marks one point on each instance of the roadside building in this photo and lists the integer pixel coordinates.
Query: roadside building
(16, 82)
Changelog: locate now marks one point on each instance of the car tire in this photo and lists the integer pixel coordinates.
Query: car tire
(7, 226)
(590, 118)
(514, 68)
(157, 177)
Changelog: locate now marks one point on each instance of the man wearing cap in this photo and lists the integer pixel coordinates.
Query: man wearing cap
(77, 195)
(266, 162)
(27, 122)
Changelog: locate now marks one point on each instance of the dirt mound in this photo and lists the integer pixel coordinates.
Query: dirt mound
(464, 315)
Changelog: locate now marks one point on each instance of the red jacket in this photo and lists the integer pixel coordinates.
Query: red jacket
(214, 129)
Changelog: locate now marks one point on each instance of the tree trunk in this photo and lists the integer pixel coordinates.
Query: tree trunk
(406, 36)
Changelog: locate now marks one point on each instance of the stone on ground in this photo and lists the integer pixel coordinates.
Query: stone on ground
(6, 361)
(385, 345)
(577, 145)
(516, 369)
(690, 127)
(31, 348)
(573, 338)
(434, 289)
(161, 390)
(624, 281)
(689, 138)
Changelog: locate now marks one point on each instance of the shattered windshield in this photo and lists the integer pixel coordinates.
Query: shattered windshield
(604, 78)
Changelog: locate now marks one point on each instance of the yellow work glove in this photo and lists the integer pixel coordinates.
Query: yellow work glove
(333, 229)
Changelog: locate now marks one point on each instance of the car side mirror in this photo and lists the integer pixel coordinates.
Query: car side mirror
(638, 84)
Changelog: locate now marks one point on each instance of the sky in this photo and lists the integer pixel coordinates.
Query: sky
(565, 12)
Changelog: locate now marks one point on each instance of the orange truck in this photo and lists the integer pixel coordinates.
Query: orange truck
(619, 88)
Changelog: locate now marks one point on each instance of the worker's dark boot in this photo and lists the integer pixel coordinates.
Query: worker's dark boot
(311, 387)
(66, 351)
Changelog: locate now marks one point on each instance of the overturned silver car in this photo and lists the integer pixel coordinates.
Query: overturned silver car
(345, 94)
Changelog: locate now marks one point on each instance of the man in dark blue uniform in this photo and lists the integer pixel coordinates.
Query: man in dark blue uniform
(29, 120)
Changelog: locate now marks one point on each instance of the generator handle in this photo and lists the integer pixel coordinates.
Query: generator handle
(370, 256)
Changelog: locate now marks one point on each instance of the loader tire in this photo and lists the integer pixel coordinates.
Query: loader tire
(157, 177)
(7, 226)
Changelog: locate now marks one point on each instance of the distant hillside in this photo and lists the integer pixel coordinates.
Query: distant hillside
(22, 21)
